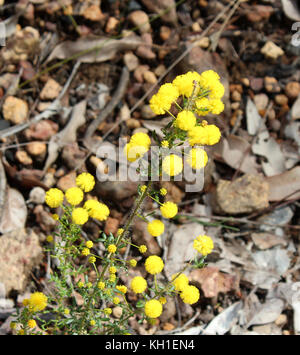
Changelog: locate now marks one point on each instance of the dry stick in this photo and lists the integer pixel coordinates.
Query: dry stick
(50, 111)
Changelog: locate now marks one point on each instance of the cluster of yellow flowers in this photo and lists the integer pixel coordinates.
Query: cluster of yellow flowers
(188, 293)
(92, 208)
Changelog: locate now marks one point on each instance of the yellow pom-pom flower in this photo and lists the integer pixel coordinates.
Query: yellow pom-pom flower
(185, 120)
(85, 251)
(121, 288)
(92, 322)
(92, 259)
(49, 239)
(74, 196)
(190, 294)
(89, 244)
(107, 311)
(111, 248)
(216, 106)
(138, 284)
(54, 197)
(55, 216)
(112, 270)
(172, 165)
(116, 300)
(154, 264)
(162, 300)
(96, 210)
(197, 158)
(80, 216)
(134, 152)
(185, 83)
(156, 227)
(132, 262)
(169, 209)
(165, 144)
(85, 181)
(162, 101)
(140, 139)
(142, 249)
(37, 301)
(163, 191)
(204, 135)
(31, 323)
(101, 285)
(203, 244)
(180, 282)
(153, 309)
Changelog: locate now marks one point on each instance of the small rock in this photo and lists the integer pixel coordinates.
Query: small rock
(67, 181)
(166, 8)
(267, 240)
(37, 195)
(42, 130)
(165, 33)
(36, 148)
(271, 114)
(23, 157)
(20, 252)
(131, 61)
(51, 90)
(15, 110)
(117, 312)
(132, 123)
(256, 84)
(42, 106)
(245, 81)
(203, 42)
(235, 105)
(281, 320)
(147, 113)
(28, 71)
(236, 96)
(141, 20)
(271, 84)
(196, 27)
(111, 25)
(271, 50)
(246, 194)
(150, 77)
(139, 73)
(281, 100)
(292, 89)
(160, 70)
(275, 125)
(111, 225)
(168, 326)
(72, 155)
(93, 13)
(261, 101)
(146, 51)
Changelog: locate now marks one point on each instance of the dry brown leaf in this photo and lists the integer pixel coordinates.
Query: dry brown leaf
(212, 281)
(285, 184)
(94, 50)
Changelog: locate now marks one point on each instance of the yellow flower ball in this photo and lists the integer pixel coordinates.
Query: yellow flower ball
(154, 264)
(216, 106)
(80, 216)
(185, 83)
(85, 251)
(92, 322)
(172, 165)
(204, 135)
(202, 106)
(111, 248)
(185, 120)
(140, 139)
(31, 323)
(85, 181)
(143, 188)
(66, 311)
(55, 216)
(180, 282)
(49, 239)
(203, 244)
(107, 311)
(121, 288)
(153, 309)
(116, 300)
(169, 209)
(138, 284)
(155, 227)
(163, 191)
(190, 294)
(162, 300)
(112, 270)
(92, 259)
(134, 152)
(97, 210)
(164, 144)
(162, 101)
(80, 284)
(133, 262)
(54, 197)
(142, 249)
(101, 285)
(74, 196)
(197, 158)
(89, 244)
(37, 301)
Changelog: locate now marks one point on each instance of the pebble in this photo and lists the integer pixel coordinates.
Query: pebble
(131, 61)
(245, 81)
(271, 84)
(165, 33)
(261, 101)
(160, 70)
(281, 100)
(292, 89)
(236, 96)
(203, 42)
(146, 51)
(93, 13)
(196, 27)
(150, 77)
(15, 110)
(140, 19)
(281, 320)
(256, 84)
(51, 90)
(111, 25)
(37, 195)
(42, 130)
(139, 71)
(23, 157)
(111, 225)
(36, 148)
(132, 123)
(147, 113)
(117, 312)
(271, 50)
(67, 181)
